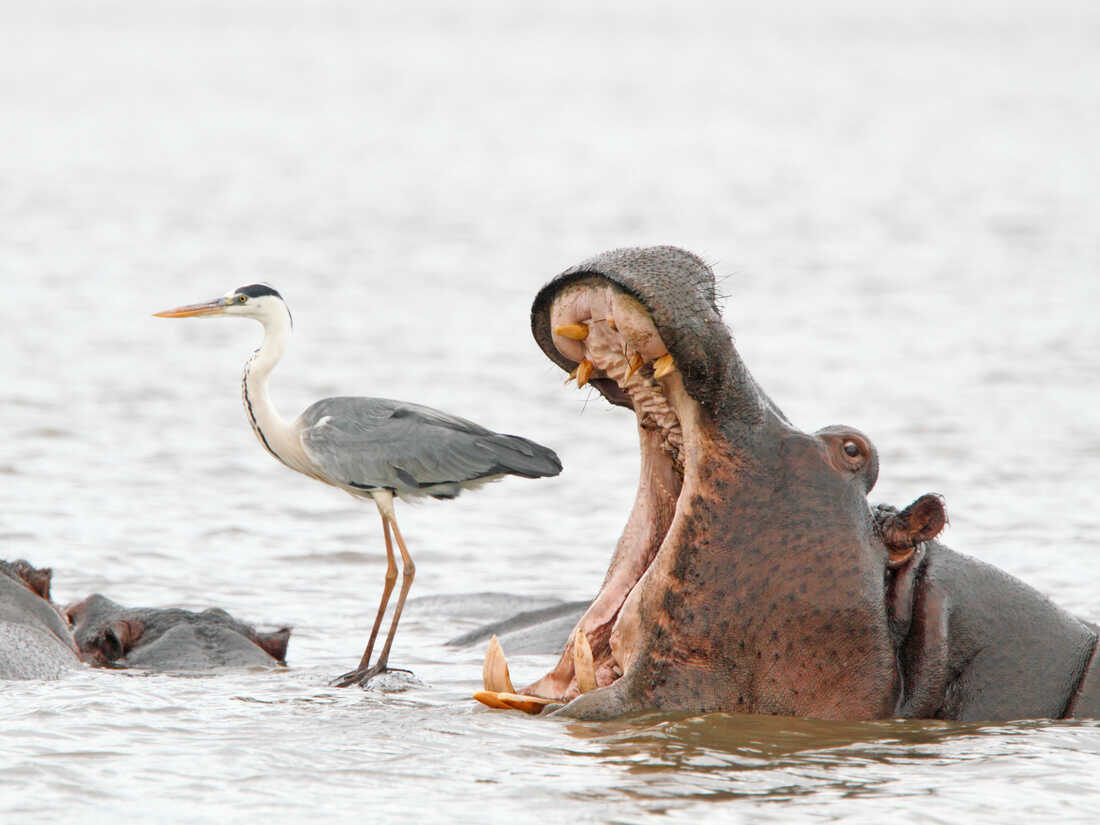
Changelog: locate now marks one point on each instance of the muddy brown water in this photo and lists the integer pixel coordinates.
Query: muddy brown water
(902, 207)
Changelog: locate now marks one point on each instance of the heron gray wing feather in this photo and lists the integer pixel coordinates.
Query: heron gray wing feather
(377, 442)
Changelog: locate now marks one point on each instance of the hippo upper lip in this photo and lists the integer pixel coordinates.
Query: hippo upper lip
(677, 290)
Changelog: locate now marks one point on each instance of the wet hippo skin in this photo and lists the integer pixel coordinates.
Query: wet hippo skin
(753, 575)
(35, 641)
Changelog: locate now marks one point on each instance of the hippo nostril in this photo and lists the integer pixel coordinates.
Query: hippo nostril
(111, 645)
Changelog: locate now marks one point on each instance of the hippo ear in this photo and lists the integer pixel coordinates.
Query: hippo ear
(37, 579)
(920, 521)
(274, 644)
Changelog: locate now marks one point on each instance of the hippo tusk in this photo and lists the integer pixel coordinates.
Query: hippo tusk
(498, 692)
(491, 698)
(663, 366)
(583, 665)
(528, 704)
(635, 362)
(494, 673)
(575, 332)
(514, 701)
(584, 370)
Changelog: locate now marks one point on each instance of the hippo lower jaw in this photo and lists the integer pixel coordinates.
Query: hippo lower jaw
(611, 337)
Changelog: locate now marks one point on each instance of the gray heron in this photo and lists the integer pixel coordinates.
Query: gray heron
(369, 447)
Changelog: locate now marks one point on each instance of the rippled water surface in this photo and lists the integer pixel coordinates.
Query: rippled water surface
(902, 204)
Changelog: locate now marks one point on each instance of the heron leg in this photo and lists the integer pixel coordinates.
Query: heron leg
(365, 672)
(387, 588)
(408, 571)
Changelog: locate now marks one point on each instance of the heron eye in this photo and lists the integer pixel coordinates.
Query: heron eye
(241, 299)
(851, 449)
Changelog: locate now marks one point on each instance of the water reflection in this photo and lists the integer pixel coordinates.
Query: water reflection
(747, 742)
(726, 756)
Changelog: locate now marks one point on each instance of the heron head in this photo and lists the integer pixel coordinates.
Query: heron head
(258, 301)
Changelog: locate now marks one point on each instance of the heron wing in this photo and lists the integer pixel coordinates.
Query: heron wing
(377, 442)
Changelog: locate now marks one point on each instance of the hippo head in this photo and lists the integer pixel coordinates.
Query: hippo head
(111, 635)
(752, 575)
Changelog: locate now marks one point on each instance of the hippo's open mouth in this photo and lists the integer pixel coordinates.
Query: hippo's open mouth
(613, 342)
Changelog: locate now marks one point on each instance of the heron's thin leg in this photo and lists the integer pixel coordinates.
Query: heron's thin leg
(365, 672)
(408, 571)
(387, 588)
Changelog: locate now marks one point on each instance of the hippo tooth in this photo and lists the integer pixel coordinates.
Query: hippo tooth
(525, 702)
(635, 362)
(572, 375)
(494, 673)
(663, 366)
(490, 698)
(611, 325)
(583, 666)
(584, 370)
(576, 332)
(503, 700)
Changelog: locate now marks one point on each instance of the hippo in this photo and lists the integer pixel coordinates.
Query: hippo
(160, 639)
(35, 641)
(753, 575)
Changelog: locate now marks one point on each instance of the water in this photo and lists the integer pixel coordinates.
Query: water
(902, 206)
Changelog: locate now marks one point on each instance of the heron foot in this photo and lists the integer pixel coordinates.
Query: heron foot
(363, 675)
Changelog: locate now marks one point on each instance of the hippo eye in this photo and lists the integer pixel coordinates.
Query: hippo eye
(851, 449)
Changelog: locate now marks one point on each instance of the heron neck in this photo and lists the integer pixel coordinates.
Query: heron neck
(273, 431)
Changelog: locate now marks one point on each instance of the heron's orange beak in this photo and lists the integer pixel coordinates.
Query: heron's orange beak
(215, 307)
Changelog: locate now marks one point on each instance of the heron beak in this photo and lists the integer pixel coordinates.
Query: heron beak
(215, 307)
